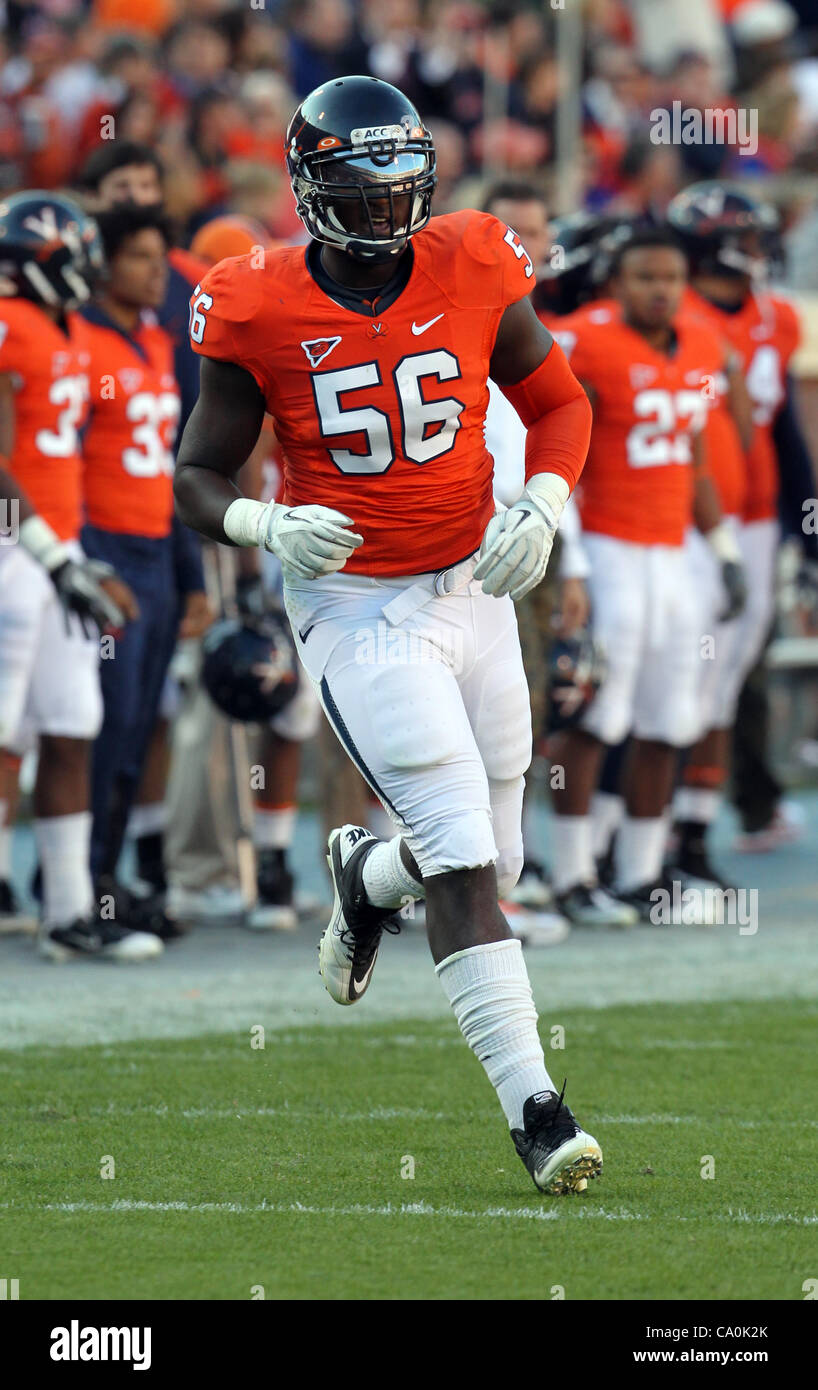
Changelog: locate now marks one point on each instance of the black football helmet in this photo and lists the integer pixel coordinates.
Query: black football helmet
(249, 666)
(577, 670)
(724, 231)
(572, 273)
(50, 250)
(352, 143)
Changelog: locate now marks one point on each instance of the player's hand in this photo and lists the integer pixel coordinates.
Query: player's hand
(309, 541)
(734, 582)
(574, 607)
(515, 549)
(197, 615)
(91, 589)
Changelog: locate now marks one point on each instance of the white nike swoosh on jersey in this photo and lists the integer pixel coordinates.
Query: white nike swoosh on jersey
(418, 328)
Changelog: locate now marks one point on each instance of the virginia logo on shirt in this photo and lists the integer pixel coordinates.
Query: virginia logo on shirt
(319, 348)
(130, 379)
(641, 375)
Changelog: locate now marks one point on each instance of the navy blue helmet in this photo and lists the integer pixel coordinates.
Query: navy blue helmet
(50, 250)
(353, 143)
(249, 666)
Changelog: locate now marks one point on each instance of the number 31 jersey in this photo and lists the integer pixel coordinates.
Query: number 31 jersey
(49, 375)
(379, 414)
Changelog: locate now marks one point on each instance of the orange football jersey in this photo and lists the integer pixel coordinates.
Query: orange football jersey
(380, 415)
(764, 333)
(638, 484)
(128, 443)
(49, 371)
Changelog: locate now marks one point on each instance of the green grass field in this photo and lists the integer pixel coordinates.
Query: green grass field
(237, 1167)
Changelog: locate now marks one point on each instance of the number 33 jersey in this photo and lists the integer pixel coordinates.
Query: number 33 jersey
(379, 411)
(128, 442)
(48, 369)
(648, 405)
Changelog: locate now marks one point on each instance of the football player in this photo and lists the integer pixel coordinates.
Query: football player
(563, 590)
(647, 370)
(127, 482)
(49, 680)
(728, 236)
(371, 348)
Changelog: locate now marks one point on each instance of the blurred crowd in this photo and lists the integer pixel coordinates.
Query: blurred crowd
(210, 84)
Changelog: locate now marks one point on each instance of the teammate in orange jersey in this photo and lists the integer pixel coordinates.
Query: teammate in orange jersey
(49, 681)
(727, 236)
(128, 467)
(371, 348)
(647, 370)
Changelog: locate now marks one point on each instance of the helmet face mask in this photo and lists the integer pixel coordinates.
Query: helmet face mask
(50, 250)
(363, 189)
(725, 232)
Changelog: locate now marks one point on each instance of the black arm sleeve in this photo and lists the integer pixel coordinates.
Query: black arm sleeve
(795, 472)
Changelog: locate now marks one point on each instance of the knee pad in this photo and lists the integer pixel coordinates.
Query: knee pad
(452, 841)
(509, 867)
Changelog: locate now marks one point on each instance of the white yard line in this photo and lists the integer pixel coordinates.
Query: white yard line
(566, 1210)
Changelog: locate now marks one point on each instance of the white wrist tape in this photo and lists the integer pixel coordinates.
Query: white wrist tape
(243, 521)
(550, 491)
(723, 543)
(37, 537)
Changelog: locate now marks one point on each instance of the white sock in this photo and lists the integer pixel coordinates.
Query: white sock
(697, 804)
(5, 842)
(150, 819)
(387, 881)
(273, 828)
(640, 849)
(572, 859)
(64, 845)
(489, 991)
(607, 811)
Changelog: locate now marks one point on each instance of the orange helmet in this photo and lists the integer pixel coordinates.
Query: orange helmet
(231, 236)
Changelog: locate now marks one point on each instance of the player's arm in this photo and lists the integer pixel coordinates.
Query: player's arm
(708, 517)
(219, 437)
(532, 371)
(739, 403)
(85, 587)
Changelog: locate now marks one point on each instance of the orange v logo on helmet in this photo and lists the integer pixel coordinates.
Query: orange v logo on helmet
(319, 348)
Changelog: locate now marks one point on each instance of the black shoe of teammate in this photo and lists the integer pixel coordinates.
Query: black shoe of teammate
(557, 1152)
(137, 912)
(275, 910)
(349, 945)
(89, 937)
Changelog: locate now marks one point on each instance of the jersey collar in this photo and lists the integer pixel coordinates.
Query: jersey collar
(361, 301)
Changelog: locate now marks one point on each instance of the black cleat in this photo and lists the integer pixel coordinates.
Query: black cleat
(558, 1154)
(274, 910)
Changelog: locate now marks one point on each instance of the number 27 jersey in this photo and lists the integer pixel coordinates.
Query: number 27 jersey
(379, 414)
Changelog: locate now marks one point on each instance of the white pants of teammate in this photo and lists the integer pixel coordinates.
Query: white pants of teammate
(730, 650)
(644, 614)
(49, 669)
(427, 692)
(718, 688)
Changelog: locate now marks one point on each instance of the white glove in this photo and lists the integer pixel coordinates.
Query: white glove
(517, 543)
(309, 541)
